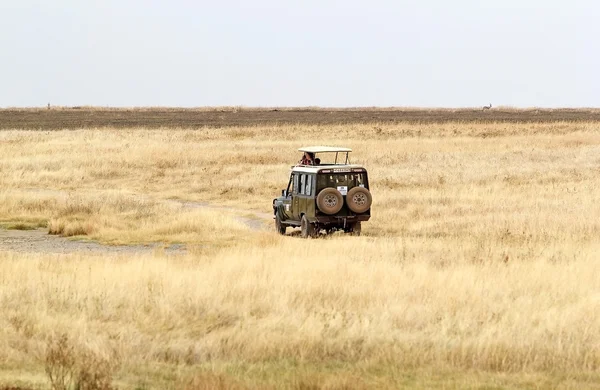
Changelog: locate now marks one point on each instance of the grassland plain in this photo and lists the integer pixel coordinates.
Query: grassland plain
(157, 117)
(479, 267)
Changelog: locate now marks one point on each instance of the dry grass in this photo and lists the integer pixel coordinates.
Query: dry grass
(251, 307)
(478, 267)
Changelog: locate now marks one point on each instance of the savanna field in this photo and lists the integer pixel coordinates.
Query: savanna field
(479, 267)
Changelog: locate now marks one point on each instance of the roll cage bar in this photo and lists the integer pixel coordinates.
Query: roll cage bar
(339, 156)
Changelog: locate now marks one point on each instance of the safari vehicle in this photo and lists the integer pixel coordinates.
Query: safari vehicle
(326, 196)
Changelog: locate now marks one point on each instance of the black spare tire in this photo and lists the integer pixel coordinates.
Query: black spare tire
(359, 200)
(330, 201)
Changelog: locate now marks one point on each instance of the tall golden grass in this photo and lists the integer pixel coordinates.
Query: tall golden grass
(478, 266)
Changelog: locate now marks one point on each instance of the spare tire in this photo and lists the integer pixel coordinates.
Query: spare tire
(359, 200)
(330, 201)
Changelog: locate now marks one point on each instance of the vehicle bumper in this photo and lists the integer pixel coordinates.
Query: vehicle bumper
(335, 220)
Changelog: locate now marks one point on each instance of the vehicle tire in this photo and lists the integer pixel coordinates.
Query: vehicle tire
(359, 200)
(330, 201)
(279, 227)
(307, 229)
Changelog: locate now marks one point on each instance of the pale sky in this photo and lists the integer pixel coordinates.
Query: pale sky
(434, 53)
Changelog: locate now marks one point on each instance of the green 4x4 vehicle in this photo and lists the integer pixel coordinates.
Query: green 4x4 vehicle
(324, 196)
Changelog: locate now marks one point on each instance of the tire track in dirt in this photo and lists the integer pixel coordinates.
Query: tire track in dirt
(39, 241)
(255, 224)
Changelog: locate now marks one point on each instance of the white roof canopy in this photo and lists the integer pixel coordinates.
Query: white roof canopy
(323, 149)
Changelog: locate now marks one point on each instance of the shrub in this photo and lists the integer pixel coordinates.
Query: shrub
(84, 369)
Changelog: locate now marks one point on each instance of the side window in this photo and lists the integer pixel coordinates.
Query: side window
(302, 181)
(295, 190)
(309, 180)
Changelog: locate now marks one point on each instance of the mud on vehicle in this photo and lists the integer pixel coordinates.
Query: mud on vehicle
(324, 197)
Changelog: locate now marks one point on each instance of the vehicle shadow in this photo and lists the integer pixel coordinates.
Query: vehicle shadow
(298, 234)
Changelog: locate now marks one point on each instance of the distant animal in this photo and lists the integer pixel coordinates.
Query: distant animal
(486, 107)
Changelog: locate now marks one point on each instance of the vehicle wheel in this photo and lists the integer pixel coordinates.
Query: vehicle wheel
(279, 227)
(359, 200)
(330, 201)
(307, 229)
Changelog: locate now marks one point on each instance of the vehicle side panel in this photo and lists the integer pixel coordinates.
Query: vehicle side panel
(306, 196)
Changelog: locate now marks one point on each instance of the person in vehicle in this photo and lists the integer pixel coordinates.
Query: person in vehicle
(307, 159)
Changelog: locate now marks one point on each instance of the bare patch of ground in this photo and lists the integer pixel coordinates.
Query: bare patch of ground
(39, 241)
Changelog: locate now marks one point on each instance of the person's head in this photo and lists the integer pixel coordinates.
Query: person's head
(317, 161)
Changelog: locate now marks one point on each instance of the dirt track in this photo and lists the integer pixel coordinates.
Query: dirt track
(78, 118)
(39, 241)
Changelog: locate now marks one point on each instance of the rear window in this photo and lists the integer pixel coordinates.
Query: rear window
(342, 179)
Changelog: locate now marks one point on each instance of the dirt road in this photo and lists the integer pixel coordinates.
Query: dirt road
(39, 241)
